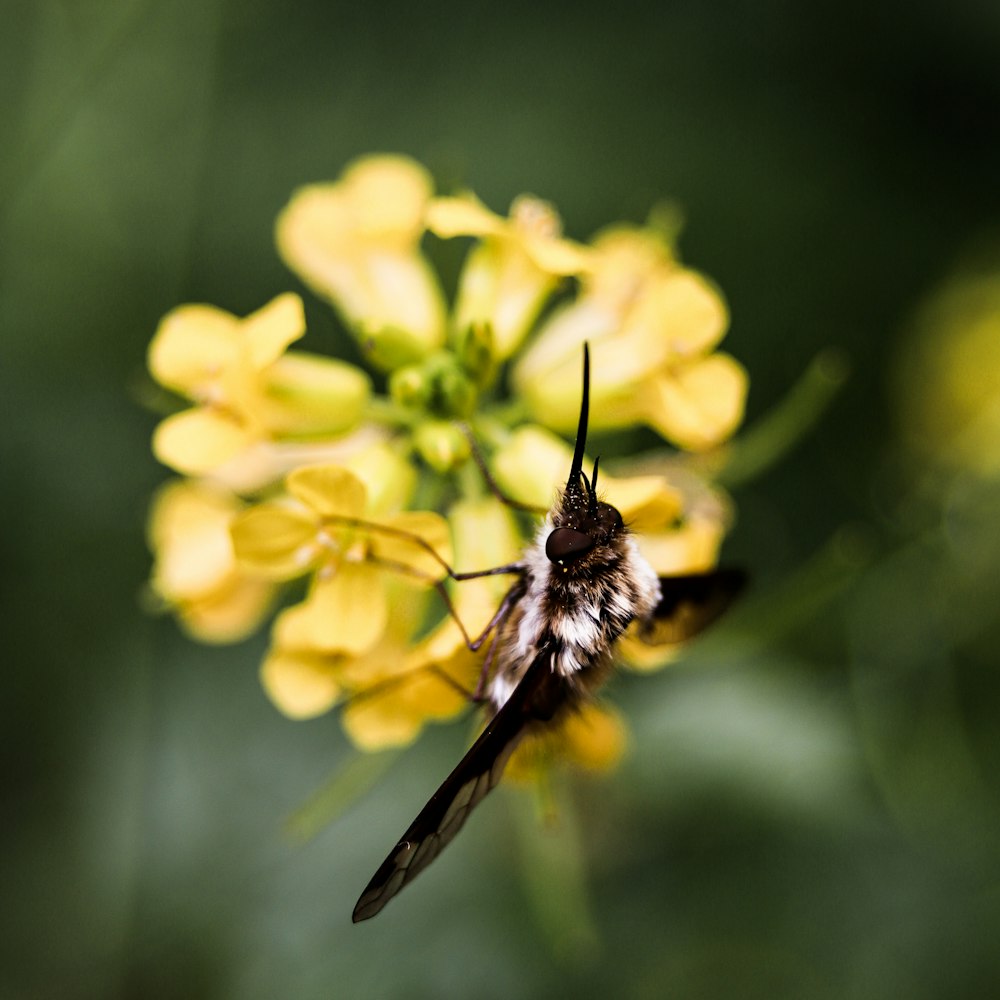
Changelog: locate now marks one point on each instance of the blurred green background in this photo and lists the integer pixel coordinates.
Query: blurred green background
(810, 805)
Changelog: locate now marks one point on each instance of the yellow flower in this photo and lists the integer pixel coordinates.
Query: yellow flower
(513, 269)
(195, 571)
(335, 471)
(391, 689)
(592, 739)
(948, 380)
(652, 327)
(403, 686)
(531, 467)
(388, 692)
(327, 526)
(356, 243)
(246, 389)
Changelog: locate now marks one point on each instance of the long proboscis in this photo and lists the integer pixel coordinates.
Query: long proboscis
(573, 483)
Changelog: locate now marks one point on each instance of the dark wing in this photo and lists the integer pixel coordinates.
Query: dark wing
(536, 697)
(689, 604)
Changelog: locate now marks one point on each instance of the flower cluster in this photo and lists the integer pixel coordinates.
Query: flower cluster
(300, 479)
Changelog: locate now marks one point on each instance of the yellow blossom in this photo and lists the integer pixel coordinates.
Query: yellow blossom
(335, 471)
(388, 692)
(195, 571)
(513, 269)
(326, 524)
(652, 327)
(338, 526)
(592, 739)
(531, 468)
(404, 687)
(356, 242)
(245, 388)
(948, 379)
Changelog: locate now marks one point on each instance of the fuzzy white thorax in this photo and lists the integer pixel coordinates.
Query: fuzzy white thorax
(587, 625)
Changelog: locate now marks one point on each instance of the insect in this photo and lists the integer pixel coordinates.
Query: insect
(577, 588)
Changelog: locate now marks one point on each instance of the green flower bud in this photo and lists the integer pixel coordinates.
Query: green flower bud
(389, 347)
(441, 445)
(456, 395)
(410, 387)
(475, 351)
(306, 395)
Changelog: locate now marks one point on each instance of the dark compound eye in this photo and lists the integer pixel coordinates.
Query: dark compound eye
(566, 544)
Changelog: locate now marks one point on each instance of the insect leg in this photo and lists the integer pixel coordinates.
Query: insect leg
(393, 532)
(491, 483)
(510, 599)
(512, 595)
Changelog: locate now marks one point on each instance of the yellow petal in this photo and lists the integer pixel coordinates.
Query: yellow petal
(509, 276)
(486, 535)
(396, 290)
(678, 315)
(502, 287)
(644, 502)
(462, 215)
(400, 544)
(681, 315)
(301, 684)
(536, 227)
(559, 256)
(376, 723)
(560, 341)
(229, 614)
(388, 477)
(595, 737)
(192, 345)
(445, 642)
(271, 329)
(356, 243)
(276, 540)
(189, 534)
(627, 255)
(947, 379)
(198, 440)
(330, 490)
(691, 548)
(553, 398)
(304, 394)
(430, 698)
(644, 658)
(394, 712)
(388, 194)
(195, 570)
(374, 285)
(532, 466)
(345, 612)
(698, 405)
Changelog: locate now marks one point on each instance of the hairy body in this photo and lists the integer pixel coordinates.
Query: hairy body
(579, 586)
(577, 617)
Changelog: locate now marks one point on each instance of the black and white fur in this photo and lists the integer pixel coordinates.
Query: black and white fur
(580, 612)
(580, 585)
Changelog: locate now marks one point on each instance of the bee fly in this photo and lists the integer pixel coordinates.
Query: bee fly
(578, 587)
